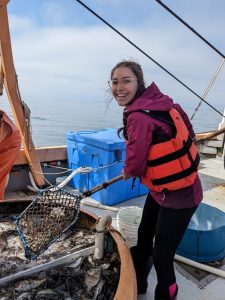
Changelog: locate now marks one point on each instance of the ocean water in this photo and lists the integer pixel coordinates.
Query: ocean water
(51, 119)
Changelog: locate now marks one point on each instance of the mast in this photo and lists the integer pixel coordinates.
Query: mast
(11, 86)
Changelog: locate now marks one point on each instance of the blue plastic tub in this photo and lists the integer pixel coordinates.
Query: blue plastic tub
(204, 239)
(105, 152)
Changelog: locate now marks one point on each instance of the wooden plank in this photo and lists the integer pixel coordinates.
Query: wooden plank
(210, 135)
(201, 135)
(11, 87)
(45, 154)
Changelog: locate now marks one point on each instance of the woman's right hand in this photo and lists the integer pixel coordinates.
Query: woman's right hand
(125, 177)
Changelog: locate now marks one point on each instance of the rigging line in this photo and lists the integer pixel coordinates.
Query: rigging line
(209, 87)
(138, 48)
(189, 27)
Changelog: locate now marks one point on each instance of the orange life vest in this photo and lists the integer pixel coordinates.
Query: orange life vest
(172, 164)
(9, 149)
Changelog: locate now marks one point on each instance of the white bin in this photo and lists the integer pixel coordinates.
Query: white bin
(128, 220)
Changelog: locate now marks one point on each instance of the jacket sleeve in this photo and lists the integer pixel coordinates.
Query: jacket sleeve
(139, 131)
(185, 119)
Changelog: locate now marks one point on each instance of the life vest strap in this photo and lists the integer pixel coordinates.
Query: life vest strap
(174, 177)
(163, 116)
(172, 156)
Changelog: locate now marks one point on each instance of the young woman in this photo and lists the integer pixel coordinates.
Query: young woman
(159, 150)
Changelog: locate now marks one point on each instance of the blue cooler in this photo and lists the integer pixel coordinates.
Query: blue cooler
(104, 152)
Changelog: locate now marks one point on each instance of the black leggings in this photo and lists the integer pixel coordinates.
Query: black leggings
(167, 225)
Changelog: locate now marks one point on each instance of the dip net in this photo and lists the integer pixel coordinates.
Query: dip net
(50, 214)
(45, 219)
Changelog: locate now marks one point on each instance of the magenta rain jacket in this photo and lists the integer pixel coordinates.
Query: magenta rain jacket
(141, 130)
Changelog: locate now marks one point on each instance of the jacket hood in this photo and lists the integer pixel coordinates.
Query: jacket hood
(151, 99)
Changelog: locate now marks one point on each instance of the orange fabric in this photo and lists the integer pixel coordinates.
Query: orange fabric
(10, 143)
(176, 165)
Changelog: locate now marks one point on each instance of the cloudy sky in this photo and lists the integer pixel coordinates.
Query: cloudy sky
(61, 51)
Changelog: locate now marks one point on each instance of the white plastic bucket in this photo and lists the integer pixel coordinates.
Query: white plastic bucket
(128, 220)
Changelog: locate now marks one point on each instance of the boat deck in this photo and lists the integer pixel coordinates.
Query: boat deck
(193, 283)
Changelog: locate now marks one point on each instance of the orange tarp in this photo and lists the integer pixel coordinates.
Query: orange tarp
(10, 143)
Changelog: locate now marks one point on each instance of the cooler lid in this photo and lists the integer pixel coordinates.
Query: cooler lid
(105, 139)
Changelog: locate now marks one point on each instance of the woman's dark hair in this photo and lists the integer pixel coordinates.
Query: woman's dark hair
(137, 70)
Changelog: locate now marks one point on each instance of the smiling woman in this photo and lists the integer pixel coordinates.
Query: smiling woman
(159, 150)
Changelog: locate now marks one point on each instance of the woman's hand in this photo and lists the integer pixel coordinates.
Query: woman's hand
(125, 177)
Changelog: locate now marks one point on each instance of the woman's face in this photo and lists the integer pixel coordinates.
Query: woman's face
(124, 85)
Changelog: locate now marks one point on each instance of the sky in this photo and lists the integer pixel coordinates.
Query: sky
(62, 51)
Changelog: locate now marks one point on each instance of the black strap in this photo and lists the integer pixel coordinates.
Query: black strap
(172, 156)
(163, 116)
(165, 180)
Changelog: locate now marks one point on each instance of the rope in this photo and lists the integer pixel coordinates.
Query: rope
(35, 188)
(68, 170)
(189, 27)
(27, 112)
(27, 118)
(107, 166)
(204, 40)
(50, 173)
(56, 167)
(209, 86)
(148, 56)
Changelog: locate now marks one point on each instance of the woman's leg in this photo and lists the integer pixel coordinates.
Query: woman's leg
(142, 253)
(170, 229)
(147, 227)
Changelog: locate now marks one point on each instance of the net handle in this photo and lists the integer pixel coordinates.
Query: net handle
(83, 170)
(101, 186)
